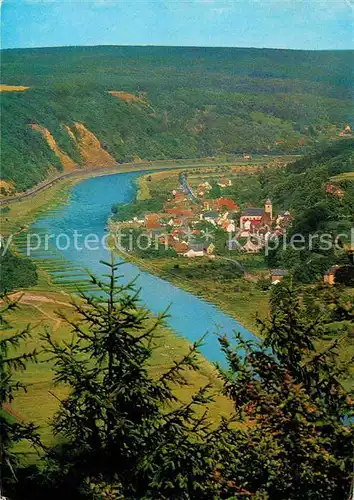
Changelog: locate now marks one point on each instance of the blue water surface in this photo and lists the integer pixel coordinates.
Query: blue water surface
(87, 212)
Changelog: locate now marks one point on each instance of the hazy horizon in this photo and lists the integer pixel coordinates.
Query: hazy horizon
(280, 24)
(173, 46)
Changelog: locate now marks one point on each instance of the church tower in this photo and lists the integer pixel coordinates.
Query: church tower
(268, 209)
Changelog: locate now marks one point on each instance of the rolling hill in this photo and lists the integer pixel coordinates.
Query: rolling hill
(66, 108)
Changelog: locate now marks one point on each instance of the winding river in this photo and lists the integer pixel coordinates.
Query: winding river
(87, 212)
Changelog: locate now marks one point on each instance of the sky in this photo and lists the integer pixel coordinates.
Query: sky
(294, 24)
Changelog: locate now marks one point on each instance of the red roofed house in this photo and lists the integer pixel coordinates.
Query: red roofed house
(179, 197)
(223, 203)
(181, 247)
(347, 132)
(335, 190)
(152, 217)
(256, 216)
(178, 232)
(277, 275)
(152, 221)
(180, 212)
(153, 224)
(167, 240)
(220, 204)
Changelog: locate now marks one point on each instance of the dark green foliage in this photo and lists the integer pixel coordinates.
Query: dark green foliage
(119, 428)
(215, 191)
(196, 102)
(16, 272)
(138, 208)
(156, 251)
(318, 216)
(219, 271)
(12, 431)
(301, 185)
(299, 444)
(123, 434)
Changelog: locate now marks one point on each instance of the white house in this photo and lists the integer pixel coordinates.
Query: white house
(193, 253)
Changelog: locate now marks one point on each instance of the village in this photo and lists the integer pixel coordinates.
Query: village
(191, 219)
(204, 216)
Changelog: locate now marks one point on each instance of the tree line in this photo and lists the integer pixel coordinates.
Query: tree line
(122, 433)
(188, 103)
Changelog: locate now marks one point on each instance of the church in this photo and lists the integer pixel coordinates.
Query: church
(253, 218)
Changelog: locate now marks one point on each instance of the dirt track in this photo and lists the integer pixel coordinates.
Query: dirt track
(26, 298)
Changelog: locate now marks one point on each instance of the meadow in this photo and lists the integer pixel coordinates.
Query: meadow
(41, 400)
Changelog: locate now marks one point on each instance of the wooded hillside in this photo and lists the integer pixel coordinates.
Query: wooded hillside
(167, 102)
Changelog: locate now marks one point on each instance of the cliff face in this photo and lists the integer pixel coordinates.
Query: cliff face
(65, 160)
(89, 147)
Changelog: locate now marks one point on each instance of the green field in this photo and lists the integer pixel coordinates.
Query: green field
(39, 307)
(40, 401)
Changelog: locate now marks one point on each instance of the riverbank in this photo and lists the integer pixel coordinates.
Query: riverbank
(214, 280)
(18, 213)
(86, 211)
(41, 400)
(42, 301)
(241, 299)
(80, 174)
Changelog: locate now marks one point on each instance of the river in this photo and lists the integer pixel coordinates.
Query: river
(87, 212)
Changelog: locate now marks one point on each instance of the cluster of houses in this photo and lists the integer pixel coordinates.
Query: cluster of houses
(178, 225)
(346, 132)
(261, 225)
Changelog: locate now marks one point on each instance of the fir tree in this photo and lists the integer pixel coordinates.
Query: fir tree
(121, 431)
(292, 390)
(11, 430)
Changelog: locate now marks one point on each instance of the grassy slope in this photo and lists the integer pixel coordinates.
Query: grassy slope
(196, 102)
(39, 403)
(237, 297)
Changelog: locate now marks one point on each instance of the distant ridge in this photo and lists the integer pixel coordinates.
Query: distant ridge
(185, 102)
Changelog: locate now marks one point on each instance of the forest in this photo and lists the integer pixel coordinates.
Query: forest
(318, 191)
(16, 272)
(320, 198)
(169, 102)
(121, 432)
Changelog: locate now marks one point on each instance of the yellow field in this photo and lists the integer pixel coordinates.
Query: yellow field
(349, 176)
(12, 88)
